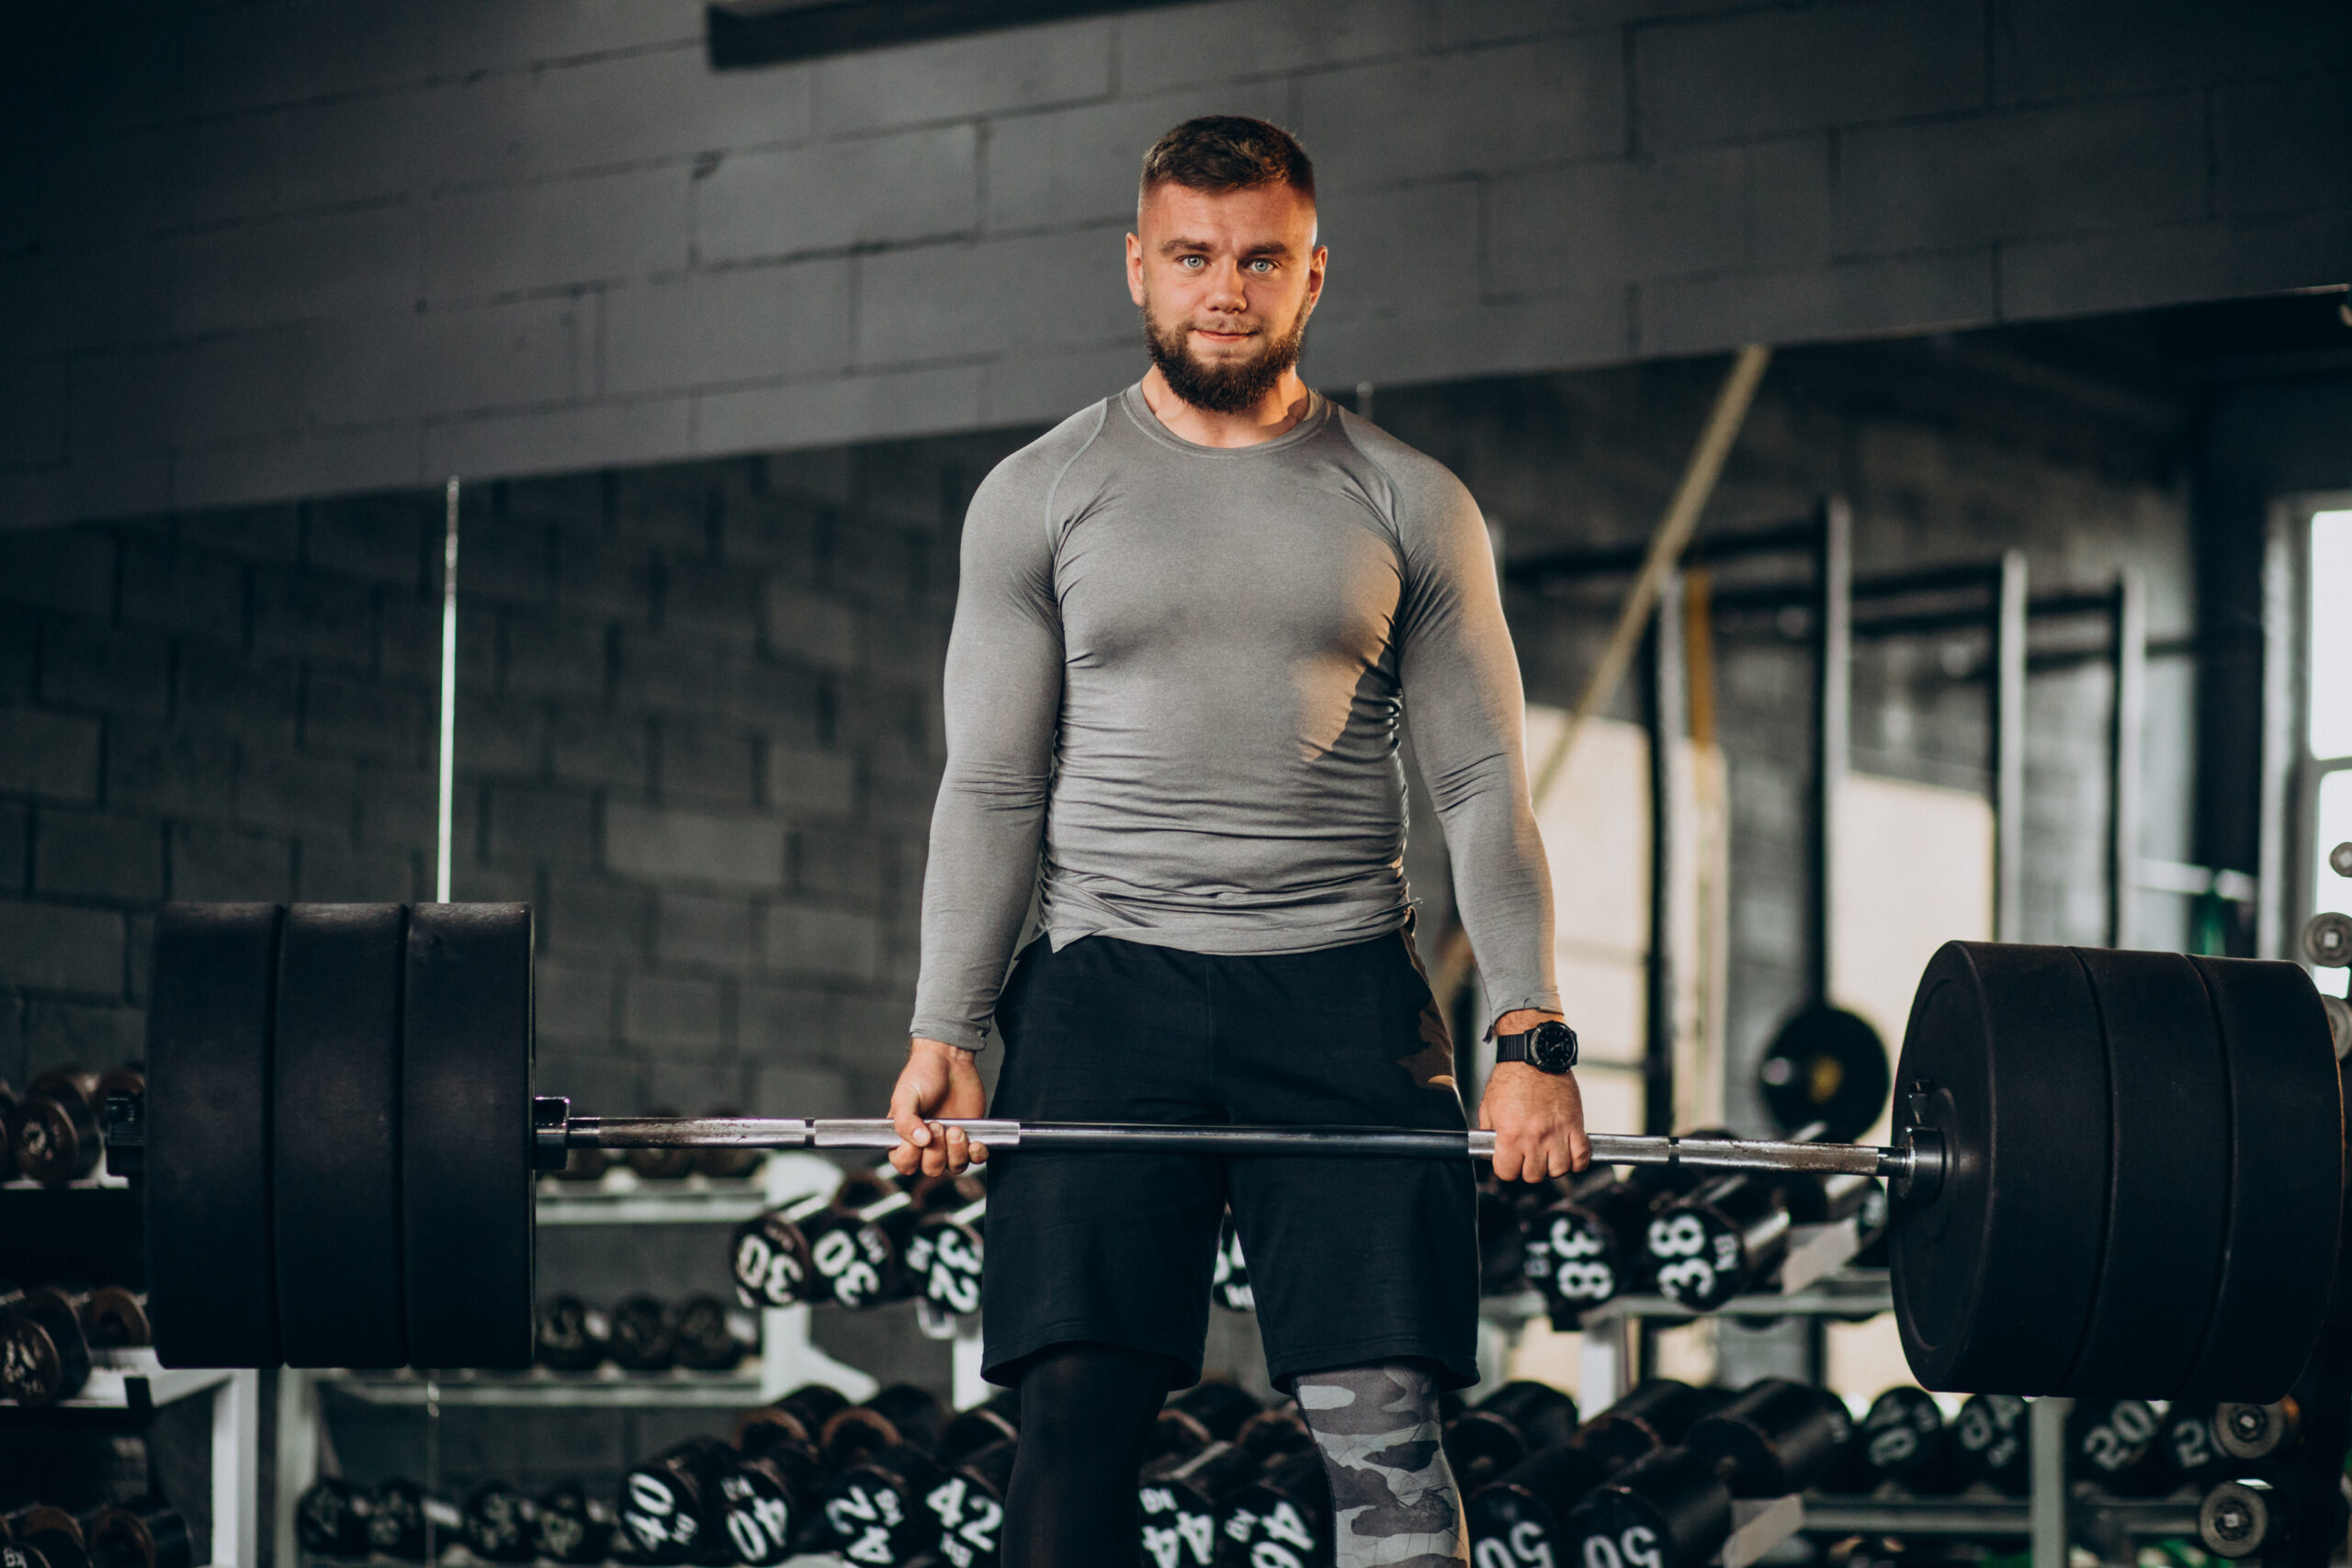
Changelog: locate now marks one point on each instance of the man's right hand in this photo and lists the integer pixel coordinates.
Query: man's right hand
(939, 1082)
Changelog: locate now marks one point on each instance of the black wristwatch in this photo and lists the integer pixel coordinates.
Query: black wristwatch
(1549, 1048)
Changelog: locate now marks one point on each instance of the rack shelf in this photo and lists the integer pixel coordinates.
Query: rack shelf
(134, 1380)
(1976, 1517)
(539, 1389)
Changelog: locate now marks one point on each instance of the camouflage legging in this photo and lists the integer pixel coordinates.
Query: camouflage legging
(1394, 1503)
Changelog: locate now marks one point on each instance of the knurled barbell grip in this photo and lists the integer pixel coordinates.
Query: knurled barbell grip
(1917, 1163)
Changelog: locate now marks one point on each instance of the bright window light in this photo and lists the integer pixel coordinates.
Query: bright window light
(2330, 891)
(2331, 623)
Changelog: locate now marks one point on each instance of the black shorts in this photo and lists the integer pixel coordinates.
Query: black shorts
(1351, 1260)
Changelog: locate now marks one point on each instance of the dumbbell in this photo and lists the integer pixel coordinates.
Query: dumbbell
(1524, 1509)
(141, 1535)
(44, 1355)
(1673, 1508)
(874, 1503)
(1210, 1410)
(55, 1534)
(670, 1510)
(1989, 1444)
(331, 1518)
(115, 1318)
(569, 1526)
(1592, 1244)
(499, 1524)
(768, 1255)
(1504, 1428)
(1506, 1210)
(2111, 1443)
(969, 1506)
(1720, 1241)
(641, 1336)
(898, 1415)
(855, 1244)
(1281, 1517)
(53, 1128)
(799, 1415)
(2253, 1433)
(707, 1335)
(1276, 1430)
(2190, 1448)
(2242, 1518)
(772, 1497)
(1229, 1275)
(1179, 1497)
(407, 1522)
(1903, 1439)
(571, 1336)
(983, 1425)
(944, 1253)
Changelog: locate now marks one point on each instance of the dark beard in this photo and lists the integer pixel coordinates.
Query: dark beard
(1228, 388)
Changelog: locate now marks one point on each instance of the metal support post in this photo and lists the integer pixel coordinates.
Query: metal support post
(2008, 747)
(1833, 644)
(1668, 723)
(2127, 654)
(2046, 1462)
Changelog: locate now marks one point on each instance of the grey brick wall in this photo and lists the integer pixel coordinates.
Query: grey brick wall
(259, 253)
(697, 729)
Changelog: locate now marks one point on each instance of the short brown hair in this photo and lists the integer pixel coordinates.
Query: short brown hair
(1221, 153)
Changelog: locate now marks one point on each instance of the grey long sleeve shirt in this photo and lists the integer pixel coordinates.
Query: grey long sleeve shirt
(1174, 694)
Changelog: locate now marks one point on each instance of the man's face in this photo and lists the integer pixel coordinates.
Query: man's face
(1226, 283)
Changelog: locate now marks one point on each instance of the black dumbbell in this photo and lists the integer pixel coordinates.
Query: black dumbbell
(1229, 1276)
(1506, 1213)
(2242, 1518)
(2111, 1443)
(2190, 1448)
(55, 1533)
(1179, 1497)
(44, 1356)
(898, 1415)
(1778, 1437)
(856, 1243)
(1903, 1439)
(1591, 1246)
(945, 1254)
(2255, 1433)
(641, 1336)
(569, 1526)
(707, 1335)
(115, 1318)
(1276, 1430)
(141, 1535)
(1668, 1510)
(799, 1415)
(585, 1165)
(1210, 1410)
(571, 1336)
(671, 1510)
(404, 1521)
(1524, 1510)
(1280, 1518)
(331, 1518)
(873, 1504)
(968, 1508)
(1504, 1428)
(983, 1425)
(1720, 1241)
(16, 1554)
(724, 1164)
(773, 1497)
(53, 1128)
(1988, 1443)
(768, 1255)
(499, 1524)
(1654, 1415)
(661, 1164)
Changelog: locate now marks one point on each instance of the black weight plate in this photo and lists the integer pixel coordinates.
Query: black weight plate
(212, 1286)
(2286, 1178)
(1993, 1277)
(337, 1127)
(2168, 1178)
(466, 1135)
(1828, 1065)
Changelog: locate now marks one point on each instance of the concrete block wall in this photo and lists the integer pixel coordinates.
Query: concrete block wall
(263, 250)
(697, 729)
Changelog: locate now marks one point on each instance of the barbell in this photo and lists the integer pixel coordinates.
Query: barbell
(2112, 1173)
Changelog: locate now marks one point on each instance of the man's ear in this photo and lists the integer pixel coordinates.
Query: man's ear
(1135, 270)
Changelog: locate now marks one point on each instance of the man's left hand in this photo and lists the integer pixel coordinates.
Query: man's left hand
(1537, 1118)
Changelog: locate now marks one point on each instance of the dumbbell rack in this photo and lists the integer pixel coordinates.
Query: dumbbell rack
(134, 1380)
(788, 1357)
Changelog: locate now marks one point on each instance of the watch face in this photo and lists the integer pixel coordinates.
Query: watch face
(1554, 1047)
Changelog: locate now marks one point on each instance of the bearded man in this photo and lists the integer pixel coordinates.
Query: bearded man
(1191, 619)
